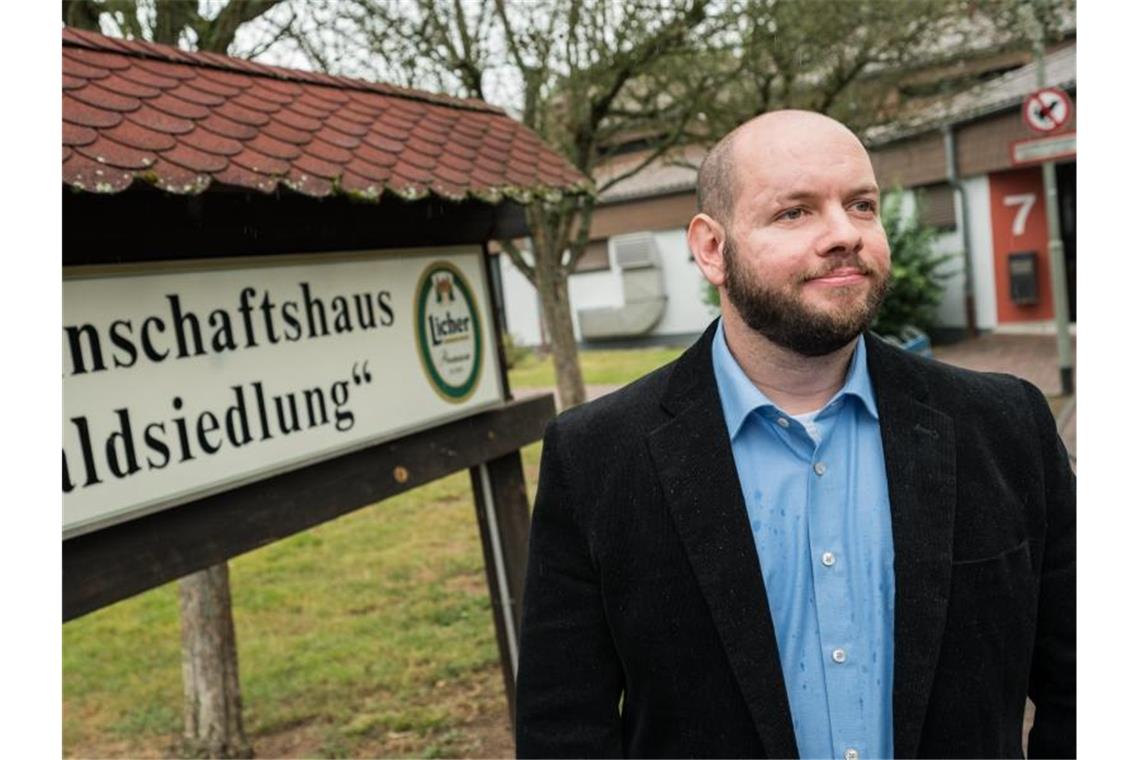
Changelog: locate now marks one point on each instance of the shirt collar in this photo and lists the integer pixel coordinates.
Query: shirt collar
(739, 397)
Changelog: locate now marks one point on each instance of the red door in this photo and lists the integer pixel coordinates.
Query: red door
(1017, 217)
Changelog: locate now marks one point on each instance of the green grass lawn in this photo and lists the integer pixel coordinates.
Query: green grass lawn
(372, 633)
(369, 635)
(598, 367)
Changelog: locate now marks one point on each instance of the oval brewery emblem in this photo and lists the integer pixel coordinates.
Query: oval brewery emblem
(448, 332)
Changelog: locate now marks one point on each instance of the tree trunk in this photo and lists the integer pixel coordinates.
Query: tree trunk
(212, 707)
(82, 14)
(554, 296)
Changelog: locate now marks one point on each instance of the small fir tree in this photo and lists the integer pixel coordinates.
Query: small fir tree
(917, 273)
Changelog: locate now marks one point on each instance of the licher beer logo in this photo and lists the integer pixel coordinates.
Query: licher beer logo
(448, 331)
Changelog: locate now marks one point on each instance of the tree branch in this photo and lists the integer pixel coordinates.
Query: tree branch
(656, 154)
(512, 42)
(266, 43)
(217, 34)
(841, 79)
(516, 257)
(82, 14)
(667, 144)
(584, 217)
(170, 19)
(642, 54)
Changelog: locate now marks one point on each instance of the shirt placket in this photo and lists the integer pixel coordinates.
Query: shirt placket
(790, 512)
(835, 603)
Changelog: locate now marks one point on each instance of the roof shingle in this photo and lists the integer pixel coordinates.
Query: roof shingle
(139, 112)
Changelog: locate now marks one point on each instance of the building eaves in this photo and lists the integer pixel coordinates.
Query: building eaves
(1000, 94)
(666, 175)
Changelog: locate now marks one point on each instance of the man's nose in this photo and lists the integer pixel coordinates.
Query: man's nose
(840, 235)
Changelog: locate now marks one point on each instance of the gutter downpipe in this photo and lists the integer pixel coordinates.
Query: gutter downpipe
(1056, 248)
(952, 178)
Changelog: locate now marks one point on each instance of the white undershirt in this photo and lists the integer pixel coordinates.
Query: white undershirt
(807, 419)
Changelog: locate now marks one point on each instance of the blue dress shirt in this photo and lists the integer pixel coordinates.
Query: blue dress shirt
(820, 514)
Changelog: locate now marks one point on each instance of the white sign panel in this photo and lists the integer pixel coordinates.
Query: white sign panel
(1038, 149)
(184, 380)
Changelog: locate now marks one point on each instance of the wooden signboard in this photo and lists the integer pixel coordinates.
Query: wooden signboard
(213, 406)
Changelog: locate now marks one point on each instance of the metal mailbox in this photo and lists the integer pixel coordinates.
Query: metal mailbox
(1023, 278)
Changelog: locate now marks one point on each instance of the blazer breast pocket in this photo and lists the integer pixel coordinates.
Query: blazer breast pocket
(986, 648)
(1006, 575)
(991, 618)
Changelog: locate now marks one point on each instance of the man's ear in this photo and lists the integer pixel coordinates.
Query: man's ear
(706, 238)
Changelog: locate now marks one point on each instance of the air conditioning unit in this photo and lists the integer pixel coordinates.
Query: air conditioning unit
(637, 251)
(637, 260)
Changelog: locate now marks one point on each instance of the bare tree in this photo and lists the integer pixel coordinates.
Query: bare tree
(575, 71)
(590, 75)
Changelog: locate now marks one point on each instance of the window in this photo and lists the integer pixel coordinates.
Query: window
(937, 203)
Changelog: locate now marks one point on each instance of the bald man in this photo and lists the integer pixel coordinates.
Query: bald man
(797, 540)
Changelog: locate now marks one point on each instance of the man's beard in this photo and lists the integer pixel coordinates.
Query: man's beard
(787, 321)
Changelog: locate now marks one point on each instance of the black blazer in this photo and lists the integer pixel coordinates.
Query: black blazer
(646, 629)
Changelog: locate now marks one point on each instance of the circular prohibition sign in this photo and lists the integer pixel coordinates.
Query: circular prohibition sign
(1046, 110)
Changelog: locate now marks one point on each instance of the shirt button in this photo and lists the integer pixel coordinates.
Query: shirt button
(828, 559)
(782, 422)
(819, 468)
(851, 754)
(839, 656)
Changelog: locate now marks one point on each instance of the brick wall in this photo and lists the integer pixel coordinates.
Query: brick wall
(983, 146)
(919, 160)
(666, 212)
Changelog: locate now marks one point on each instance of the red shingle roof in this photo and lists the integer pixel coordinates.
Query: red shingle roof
(136, 111)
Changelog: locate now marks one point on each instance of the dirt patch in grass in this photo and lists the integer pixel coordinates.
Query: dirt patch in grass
(477, 726)
(472, 722)
(119, 749)
(474, 584)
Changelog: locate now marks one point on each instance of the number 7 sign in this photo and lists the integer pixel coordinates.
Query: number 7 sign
(1025, 201)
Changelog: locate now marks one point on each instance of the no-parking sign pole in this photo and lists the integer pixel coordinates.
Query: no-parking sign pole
(1047, 110)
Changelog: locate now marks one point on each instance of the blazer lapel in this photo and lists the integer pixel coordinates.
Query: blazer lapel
(918, 447)
(697, 473)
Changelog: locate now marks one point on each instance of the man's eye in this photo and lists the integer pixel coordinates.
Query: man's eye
(791, 214)
(864, 206)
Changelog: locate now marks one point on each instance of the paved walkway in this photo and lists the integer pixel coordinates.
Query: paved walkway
(1033, 357)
